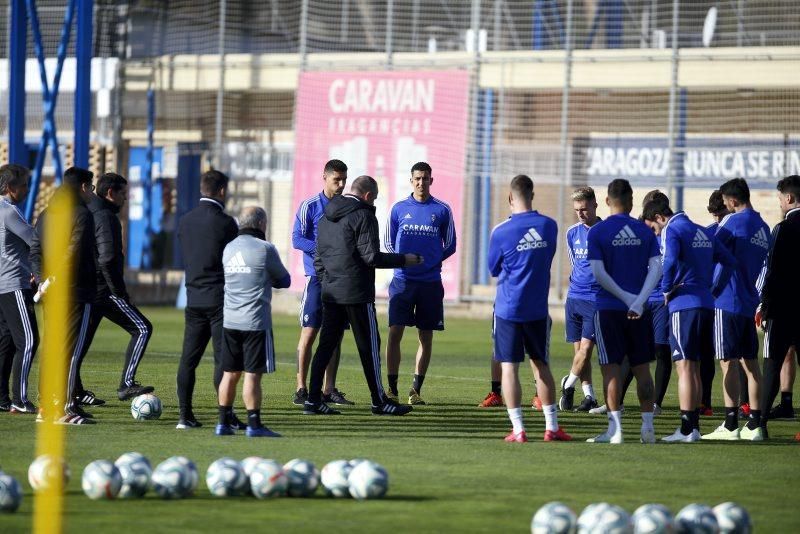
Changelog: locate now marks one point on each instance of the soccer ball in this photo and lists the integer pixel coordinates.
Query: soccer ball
(194, 477)
(171, 479)
(334, 478)
(355, 461)
(249, 463)
(303, 477)
(589, 515)
(101, 480)
(368, 480)
(225, 478)
(145, 407)
(44, 470)
(10, 493)
(652, 519)
(267, 479)
(733, 518)
(136, 471)
(604, 518)
(696, 519)
(554, 518)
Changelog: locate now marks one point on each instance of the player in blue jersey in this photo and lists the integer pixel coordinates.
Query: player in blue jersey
(626, 263)
(689, 253)
(423, 224)
(579, 307)
(521, 251)
(304, 238)
(747, 236)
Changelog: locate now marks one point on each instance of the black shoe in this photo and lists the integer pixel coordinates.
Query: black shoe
(389, 407)
(236, 424)
(318, 408)
(588, 403)
(77, 410)
(134, 390)
(71, 418)
(188, 421)
(25, 407)
(87, 398)
(337, 397)
(567, 400)
(781, 412)
(5, 406)
(300, 396)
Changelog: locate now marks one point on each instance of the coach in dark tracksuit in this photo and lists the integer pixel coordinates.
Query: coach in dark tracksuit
(203, 234)
(77, 188)
(112, 300)
(348, 252)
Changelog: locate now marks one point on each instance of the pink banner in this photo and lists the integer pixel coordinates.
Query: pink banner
(380, 124)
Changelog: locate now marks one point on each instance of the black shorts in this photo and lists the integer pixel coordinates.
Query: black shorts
(781, 334)
(248, 351)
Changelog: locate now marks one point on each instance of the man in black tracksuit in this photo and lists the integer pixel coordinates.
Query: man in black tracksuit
(348, 252)
(81, 254)
(203, 234)
(112, 300)
(778, 314)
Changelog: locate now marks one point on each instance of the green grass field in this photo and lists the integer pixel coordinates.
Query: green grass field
(449, 467)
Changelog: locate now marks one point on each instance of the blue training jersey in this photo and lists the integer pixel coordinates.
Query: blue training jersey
(747, 237)
(582, 284)
(690, 252)
(424, 228)
(625, 246)
(657, 295)
(304, 232)
(521, 251)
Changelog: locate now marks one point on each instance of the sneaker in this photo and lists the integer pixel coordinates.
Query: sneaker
(300, 396)
(744, 410)
(188, 421)
(392, 396)
(414, 399)
(600, 410)
(648, 436)
(587, 405)
(678, 437)
(337, 397)
(87, 398)
(236, 424)
(5, 406)
(797, 437)
(605, 437)
(77, 410)
(519, 437)
(722, 434)
(706, 411)
(567, 400)
(492, 400)
(782, 412)
(224, 430)
(657, 410)
(389, 407)
(23, 407)
(536, 403)
(319, 408)
(751, 435)
(260, 432)
(558, 435)
(134, 390)
(74, 419)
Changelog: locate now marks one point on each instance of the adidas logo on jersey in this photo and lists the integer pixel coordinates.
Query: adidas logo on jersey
(701, 241)
(408, 216)
(531, 240)
(626, 237)
(760, 239)
(237, 265)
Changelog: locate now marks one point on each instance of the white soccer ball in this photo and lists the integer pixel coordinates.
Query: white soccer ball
(554, 518)
(44, 470)
(145, 407)
(588, 517)
(136, 472)
(652, 519)
(171, 479)
(696, 519)
(225, 478)
(368, 480)
(303, 477)
(604, 518)
(267, 479)
(733, 518)
(101, 480)
(249, 463)
(193, 479)
(334, 478)
(10, 493)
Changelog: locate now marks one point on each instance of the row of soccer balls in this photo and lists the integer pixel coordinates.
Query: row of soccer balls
(131, 475)
(558, 518)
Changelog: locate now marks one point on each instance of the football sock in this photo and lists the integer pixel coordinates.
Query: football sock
(786, 399)
(588, 390)
(571, 379)
(696, 419)
(496, 387)
(686, 422)
(254, 418)
(417, 384)
(647, 420)
(755, 419)
(393, 384)
(731, 418)
(515, 414)
(615, 422)
(550, 417)
(223, 414)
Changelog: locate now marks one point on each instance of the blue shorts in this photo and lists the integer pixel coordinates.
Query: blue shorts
(691, 334)
(618, 337)
(311, 304)
(660, 315)
(512, 340)
(579, 317)
(735, 336)
(419, 304)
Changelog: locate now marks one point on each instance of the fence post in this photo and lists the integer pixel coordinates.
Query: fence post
(221, 88)
(564, 143)
(673, 90)
(18, 43)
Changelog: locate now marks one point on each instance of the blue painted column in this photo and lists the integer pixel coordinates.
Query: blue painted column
(147, 180)
(680, 148)
(484, 184)
(614, 11)
(83, 91)
(539, 32)
(18, 41)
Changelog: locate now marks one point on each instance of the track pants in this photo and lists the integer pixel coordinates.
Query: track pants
(20, 339)
(364, 325)
(202, 324)
(78, 318)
